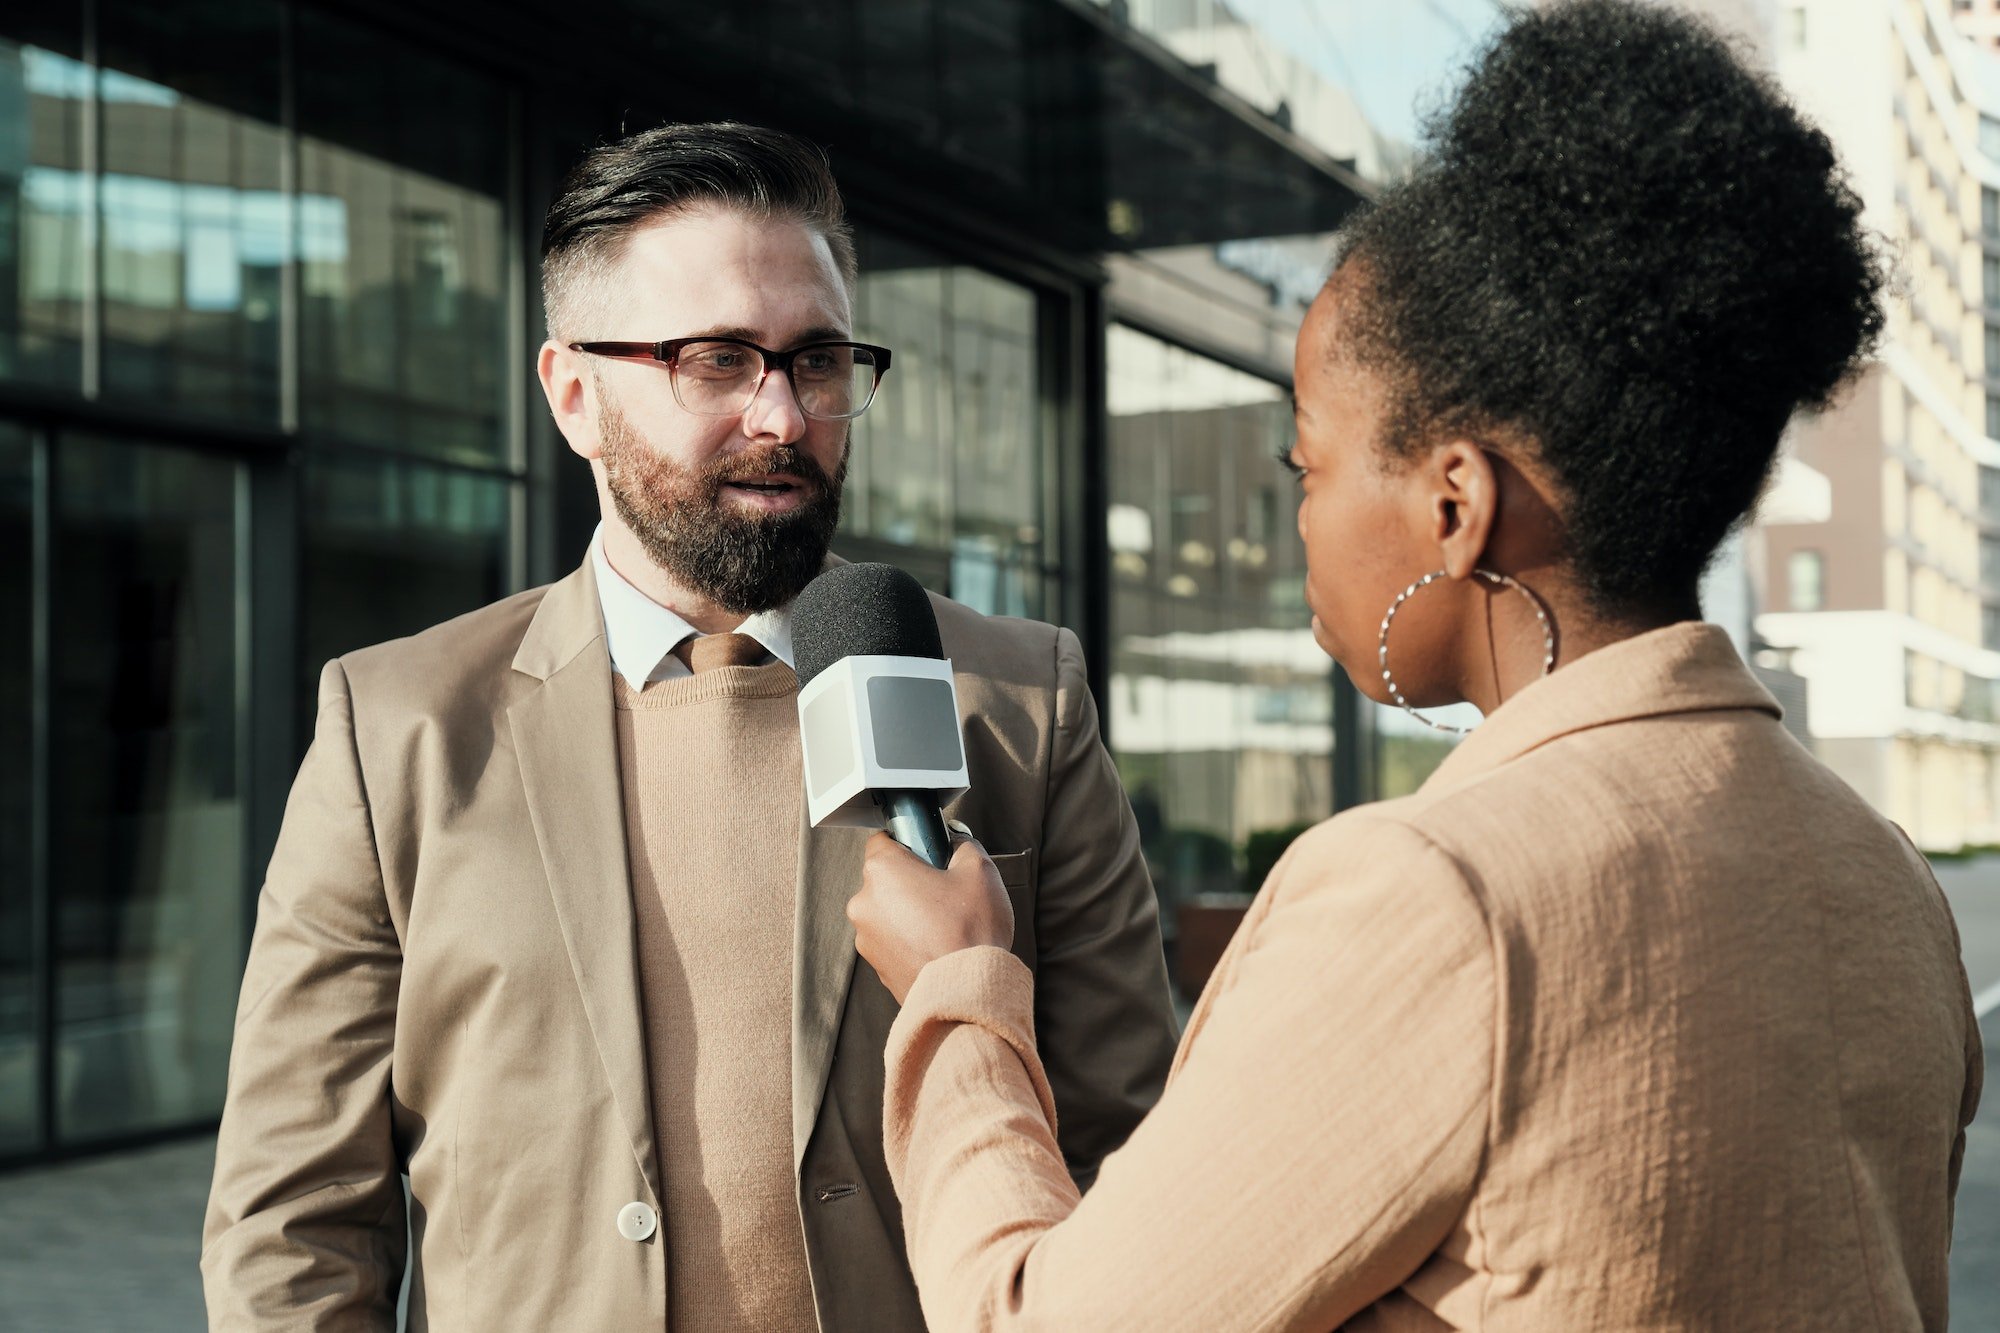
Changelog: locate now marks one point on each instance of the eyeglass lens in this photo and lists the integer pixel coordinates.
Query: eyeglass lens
(720, 379)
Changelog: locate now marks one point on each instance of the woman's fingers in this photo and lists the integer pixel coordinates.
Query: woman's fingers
(908, 913)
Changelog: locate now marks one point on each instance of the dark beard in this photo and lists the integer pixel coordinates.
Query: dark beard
(743, 562)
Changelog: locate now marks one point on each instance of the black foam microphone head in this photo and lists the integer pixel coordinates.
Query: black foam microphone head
(862, 610)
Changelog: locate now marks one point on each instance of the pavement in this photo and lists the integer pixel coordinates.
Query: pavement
(110, 1245)
(1974, 890)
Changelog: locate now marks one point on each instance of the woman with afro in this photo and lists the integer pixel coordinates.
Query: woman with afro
(1634, 1017)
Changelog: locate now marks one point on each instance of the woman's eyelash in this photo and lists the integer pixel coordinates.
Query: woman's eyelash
(1284, 457)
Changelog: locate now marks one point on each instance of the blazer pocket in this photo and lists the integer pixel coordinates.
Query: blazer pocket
(1017, 869)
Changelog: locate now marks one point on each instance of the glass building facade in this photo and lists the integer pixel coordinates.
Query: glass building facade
(268, 306)
(1220, 702)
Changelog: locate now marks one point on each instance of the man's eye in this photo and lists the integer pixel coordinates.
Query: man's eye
(818, 364)
(715, 360)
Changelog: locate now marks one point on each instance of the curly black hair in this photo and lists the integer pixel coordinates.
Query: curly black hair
(1628, 254)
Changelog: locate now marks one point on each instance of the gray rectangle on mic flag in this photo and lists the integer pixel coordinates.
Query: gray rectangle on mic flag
(915, 724)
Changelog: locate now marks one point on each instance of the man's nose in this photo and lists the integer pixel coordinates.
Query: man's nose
(774, 410)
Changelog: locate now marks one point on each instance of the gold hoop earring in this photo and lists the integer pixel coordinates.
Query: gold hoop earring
(1498, 581)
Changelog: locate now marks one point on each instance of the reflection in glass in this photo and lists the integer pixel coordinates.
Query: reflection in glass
(147, 810)
(899, 484)
(19, 1084)
(952, 455)
(401, 245)
(43, 200)
(195, 219)
(390, 548)
(1221, 703)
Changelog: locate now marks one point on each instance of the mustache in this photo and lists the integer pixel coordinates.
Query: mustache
(780, 458)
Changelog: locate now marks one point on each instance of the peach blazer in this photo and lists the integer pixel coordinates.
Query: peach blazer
(1634, 1017)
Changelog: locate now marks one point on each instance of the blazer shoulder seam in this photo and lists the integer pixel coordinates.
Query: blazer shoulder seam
(361, 775)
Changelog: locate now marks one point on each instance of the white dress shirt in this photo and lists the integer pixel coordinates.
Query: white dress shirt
(642, 634)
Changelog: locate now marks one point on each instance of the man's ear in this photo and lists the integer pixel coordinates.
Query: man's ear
(572, 397)
(1464, 504)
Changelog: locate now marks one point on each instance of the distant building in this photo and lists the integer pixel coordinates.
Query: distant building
(1886, 599)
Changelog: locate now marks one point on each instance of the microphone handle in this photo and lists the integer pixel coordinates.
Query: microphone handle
(913, 820)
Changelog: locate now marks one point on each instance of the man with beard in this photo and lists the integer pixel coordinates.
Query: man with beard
(545, 930)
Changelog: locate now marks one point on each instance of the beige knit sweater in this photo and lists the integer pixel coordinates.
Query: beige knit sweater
(710, 770)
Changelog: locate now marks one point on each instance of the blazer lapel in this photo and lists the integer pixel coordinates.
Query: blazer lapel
(822, 966)
(566, 737)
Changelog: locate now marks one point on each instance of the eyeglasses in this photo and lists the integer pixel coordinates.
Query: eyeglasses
(720, 377)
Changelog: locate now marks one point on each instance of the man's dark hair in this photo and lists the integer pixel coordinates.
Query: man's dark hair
(1630, 257)
(619, 187)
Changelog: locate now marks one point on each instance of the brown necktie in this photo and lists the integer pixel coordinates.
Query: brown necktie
(705, 652)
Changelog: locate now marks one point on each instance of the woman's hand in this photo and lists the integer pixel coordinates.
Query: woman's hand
(908, 913)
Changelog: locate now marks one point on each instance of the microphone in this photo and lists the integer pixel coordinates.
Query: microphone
(878, 710)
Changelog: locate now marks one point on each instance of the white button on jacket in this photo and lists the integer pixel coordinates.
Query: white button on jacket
(636, 1221)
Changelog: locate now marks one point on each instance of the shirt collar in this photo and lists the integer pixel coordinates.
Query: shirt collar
(642, 635)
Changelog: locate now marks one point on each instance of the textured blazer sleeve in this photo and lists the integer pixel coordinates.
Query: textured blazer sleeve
(1103, 1014)
(306, 1223)
(1322, 1135)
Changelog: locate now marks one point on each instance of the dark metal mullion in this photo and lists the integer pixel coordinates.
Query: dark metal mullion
(1053, 441)
(242, 702)
(290, 277)
(1350, 756)
(41, 835)
(1093, 491)
(210, 435)
(91, 168)
(515, 385)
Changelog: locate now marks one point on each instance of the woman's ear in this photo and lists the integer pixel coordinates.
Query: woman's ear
(1465, 503)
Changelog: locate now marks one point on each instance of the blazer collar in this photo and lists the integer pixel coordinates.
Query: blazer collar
(1690, 667)
(569, 620)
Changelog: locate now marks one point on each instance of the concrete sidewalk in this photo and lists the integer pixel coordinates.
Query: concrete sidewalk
(106, 1246)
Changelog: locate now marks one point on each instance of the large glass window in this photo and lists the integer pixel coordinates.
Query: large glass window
(951, 459)
(194, 227)
(147, 804)
(390, 548)
(1221, 702)
(19, 991)
(995, 445)
(402, 170)
(192, 203)
(43, 198)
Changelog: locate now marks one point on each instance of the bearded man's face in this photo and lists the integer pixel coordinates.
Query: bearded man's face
(737, 509)
(713, 527)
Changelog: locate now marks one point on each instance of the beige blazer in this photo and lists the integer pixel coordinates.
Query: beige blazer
(1634, 1017)
(442, 984)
